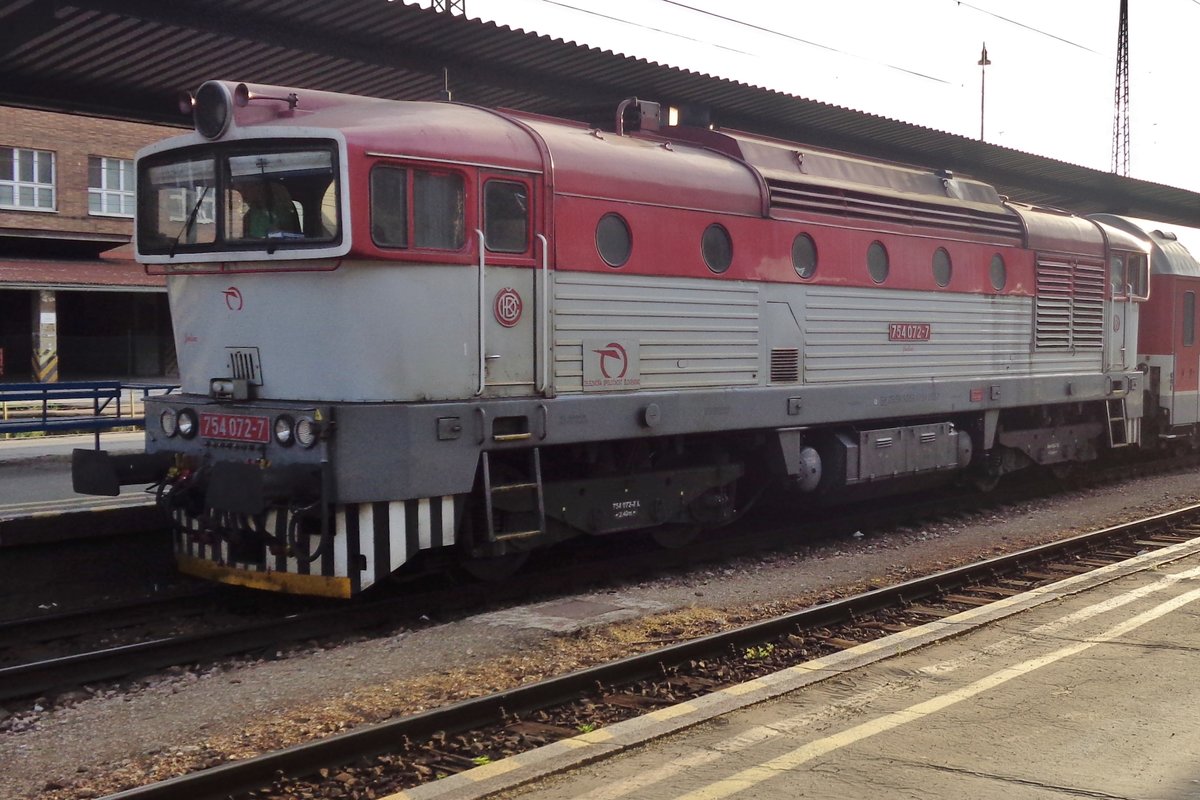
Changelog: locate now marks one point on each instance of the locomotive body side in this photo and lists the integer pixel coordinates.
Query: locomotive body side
(491, 331)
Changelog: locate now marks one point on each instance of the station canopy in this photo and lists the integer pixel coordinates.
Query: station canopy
(130, 59)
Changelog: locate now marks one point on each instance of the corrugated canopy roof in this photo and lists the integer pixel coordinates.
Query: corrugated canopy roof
(129, 58)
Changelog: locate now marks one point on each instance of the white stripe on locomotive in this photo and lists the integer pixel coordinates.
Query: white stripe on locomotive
(218, 551)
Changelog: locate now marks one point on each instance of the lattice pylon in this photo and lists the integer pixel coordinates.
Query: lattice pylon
(1120, 145)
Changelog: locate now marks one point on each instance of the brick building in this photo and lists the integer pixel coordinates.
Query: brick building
(73, 303)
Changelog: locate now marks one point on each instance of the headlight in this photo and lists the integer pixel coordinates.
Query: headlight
(187, 423)
(307, 432)
(212, 109)
(284, 429)
(166, 421)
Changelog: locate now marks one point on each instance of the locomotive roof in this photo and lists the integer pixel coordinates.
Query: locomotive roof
(718, 171)
(1169, 255)
(723, 171)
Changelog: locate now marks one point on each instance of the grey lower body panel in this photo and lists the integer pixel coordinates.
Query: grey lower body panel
(422, 450)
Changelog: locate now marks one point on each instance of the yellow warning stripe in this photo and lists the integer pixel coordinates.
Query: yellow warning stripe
(287, 582)
(45, 368)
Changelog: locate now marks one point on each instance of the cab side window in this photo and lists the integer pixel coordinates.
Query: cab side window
(1116, 275)
(1138, 276)
(506, 216)
(389, 207)
(417, 208)
(438, 203)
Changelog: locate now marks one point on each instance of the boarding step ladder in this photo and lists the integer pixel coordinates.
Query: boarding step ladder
(497, 495)
(1121, 432)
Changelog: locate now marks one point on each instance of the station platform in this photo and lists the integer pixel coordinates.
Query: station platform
(1085, 688)
(35, 475)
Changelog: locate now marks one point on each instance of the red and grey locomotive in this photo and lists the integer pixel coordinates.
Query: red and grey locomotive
(426, 326)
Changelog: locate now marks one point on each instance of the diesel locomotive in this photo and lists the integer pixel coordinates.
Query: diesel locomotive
(409, 329)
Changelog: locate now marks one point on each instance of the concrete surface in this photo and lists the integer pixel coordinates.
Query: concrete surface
(1086, 688)
(35, 474)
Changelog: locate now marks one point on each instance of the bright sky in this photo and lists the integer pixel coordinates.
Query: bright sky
(1049, 87)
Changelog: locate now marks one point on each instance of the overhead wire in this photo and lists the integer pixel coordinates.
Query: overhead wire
(734, 21)
(651, 28)
(1032, 28)
(797, 39)
(810, 42)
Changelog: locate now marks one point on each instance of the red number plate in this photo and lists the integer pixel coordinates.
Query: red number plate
(238, 427)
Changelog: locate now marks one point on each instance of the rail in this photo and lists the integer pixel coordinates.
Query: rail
(87, 406)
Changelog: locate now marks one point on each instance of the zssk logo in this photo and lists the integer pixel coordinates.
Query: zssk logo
(613, 351)
(233, 298)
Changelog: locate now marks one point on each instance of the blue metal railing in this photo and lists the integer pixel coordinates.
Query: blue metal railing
(84, 406)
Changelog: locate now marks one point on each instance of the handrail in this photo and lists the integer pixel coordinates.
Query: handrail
(482, 350)
(544, 315)
(102, 394)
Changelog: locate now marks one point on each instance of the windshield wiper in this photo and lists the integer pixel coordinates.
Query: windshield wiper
(187, 226)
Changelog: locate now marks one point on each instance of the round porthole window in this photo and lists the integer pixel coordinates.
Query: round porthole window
(717, 248)
(613, 240)
(804, 255)
(942, 267)
(997, 272)
(877, 262)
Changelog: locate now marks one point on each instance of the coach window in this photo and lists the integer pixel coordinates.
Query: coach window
(804, 255)
(877, 262)
(1189, 319)
(942, 268)
(613, 240)
(506, 216)
(717, 248)
(998, 273)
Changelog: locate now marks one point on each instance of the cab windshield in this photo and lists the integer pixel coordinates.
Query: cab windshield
(222, 199)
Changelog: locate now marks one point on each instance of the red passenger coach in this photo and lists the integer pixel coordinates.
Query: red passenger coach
(429, 333)
(1168, 349)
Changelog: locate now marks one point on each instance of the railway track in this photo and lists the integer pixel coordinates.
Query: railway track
(141, 643)
(406, 752)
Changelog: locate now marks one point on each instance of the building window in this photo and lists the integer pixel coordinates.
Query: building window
(110, 186)
(26, 179)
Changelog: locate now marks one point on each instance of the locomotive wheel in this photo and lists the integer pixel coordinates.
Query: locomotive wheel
(493, 569)
(985, 481)
(1063, 471)
(674, 537)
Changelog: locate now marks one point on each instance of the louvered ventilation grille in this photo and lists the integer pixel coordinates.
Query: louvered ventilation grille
(822, 200)
(1070, 305)
(785, 365)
